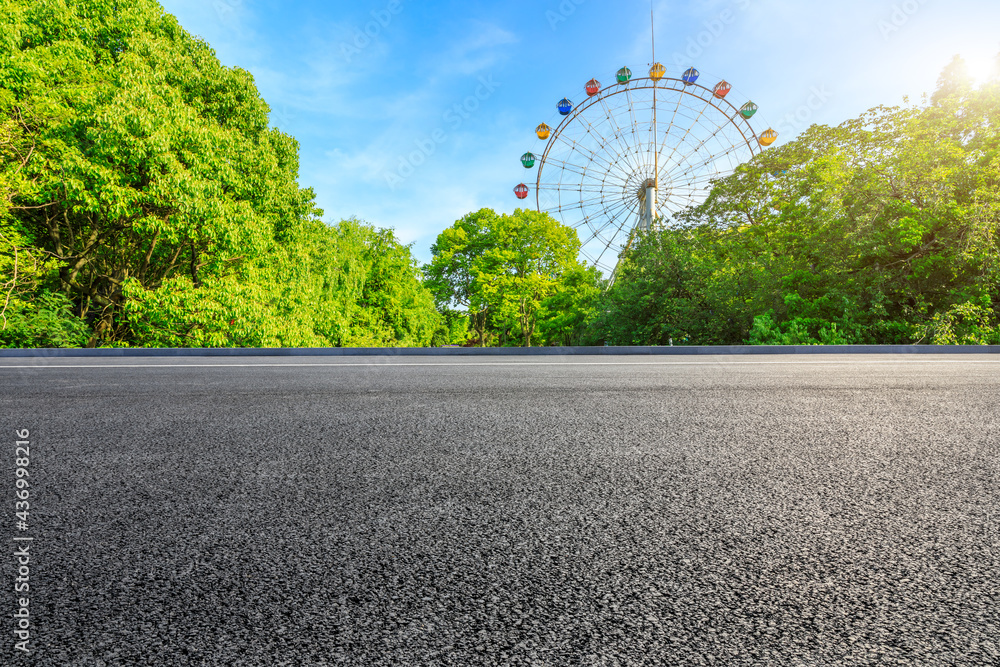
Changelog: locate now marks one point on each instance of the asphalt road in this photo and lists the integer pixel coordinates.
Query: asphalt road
(547, 511)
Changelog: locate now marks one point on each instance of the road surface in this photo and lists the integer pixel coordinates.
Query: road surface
(782, 510)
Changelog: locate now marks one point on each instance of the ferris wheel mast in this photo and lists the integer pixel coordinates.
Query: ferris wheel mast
(649, 207)
(647, 197)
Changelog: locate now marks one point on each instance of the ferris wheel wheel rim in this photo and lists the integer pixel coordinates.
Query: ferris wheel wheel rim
(647, 83)
(681, 90)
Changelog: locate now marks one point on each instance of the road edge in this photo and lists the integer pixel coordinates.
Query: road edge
(678, 350)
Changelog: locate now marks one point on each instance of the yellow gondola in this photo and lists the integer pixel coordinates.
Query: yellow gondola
(768, 137)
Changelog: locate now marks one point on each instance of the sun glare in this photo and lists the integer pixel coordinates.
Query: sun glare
(981, 67)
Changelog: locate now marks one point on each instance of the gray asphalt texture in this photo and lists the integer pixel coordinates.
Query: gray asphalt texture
(584, 511)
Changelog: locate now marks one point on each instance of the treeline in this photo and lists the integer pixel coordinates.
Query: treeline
(146, 201)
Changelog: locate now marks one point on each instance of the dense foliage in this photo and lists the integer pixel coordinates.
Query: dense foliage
(881, 230)
(346, 286)
(517, 277)
(147, 201)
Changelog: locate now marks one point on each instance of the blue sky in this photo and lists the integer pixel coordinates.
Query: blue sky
(411, 114)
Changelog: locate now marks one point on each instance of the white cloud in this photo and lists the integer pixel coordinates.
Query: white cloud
(478, 51)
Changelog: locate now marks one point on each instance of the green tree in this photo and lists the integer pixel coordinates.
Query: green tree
(526, 264)
(149, 161)
(30, 316)
(661, 292)
(348, 285)
(144, 192)
(454, 329)
(453, 274)
(502, 268)
(564, 316)
(395, 309)
(954, 81)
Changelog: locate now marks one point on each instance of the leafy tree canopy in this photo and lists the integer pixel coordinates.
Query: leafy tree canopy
(503, 268)
(145, 193)
(144, 158)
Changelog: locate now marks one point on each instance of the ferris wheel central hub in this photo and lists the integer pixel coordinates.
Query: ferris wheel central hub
(659, 190)
(649, 183)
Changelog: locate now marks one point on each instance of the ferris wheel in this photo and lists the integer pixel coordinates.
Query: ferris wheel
(635, 153)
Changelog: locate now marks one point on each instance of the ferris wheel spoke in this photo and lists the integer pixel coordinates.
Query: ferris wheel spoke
(690, 187)
(603, 252)
(643, 163)
(687, 192)
(682, 200)
(570, 168)
(688, 195)
(625, 220)
(614, 211)
(571, 207)
(613, 208)
(687, 132)
(712, 135)
(586, 152)
(595, 179)
(711, 158)
(582, 203)
(597, 170)
(671, 125)
(693, 173)
(551, 187)
(692, 191)
(618, 135)
(592, 129)
(701, 183)
(696, 173)
(608, 214)
(596, 235)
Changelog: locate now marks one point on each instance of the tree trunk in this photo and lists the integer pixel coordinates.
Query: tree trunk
(103, 325)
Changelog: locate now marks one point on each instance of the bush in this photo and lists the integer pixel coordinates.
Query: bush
(48, 321)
